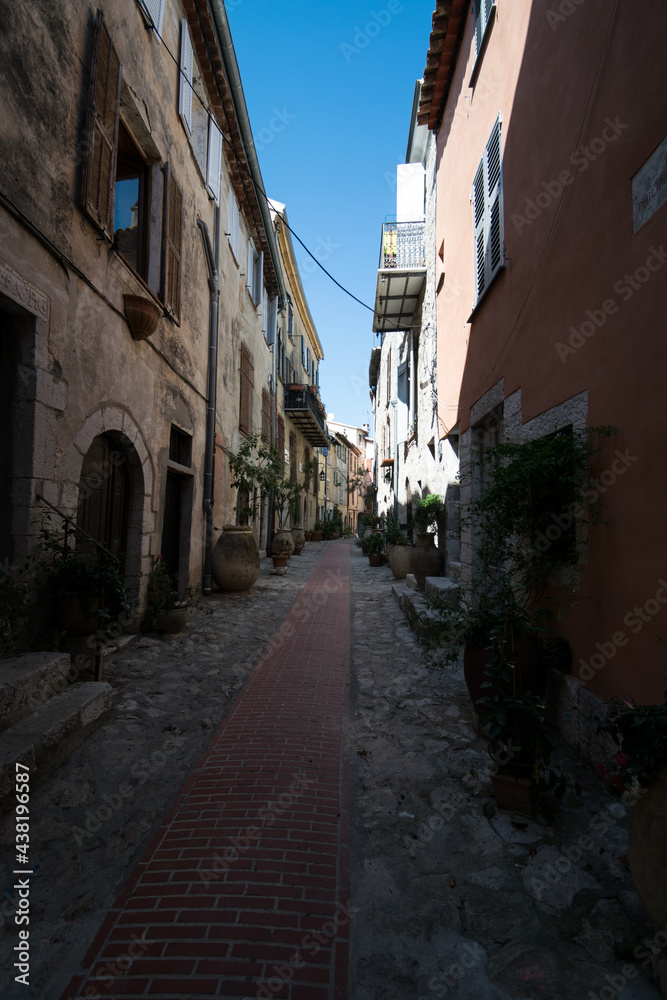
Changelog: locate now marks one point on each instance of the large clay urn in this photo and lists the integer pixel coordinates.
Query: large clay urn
(299, 537)
(647, 849)
(399, 560)
(281, 536)
(235, 560)
(426, 559)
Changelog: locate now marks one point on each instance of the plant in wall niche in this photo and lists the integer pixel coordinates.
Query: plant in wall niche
(527, 515)
(427, 513)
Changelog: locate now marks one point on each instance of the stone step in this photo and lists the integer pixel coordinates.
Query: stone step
(443, 587)
(411, 581)
(397, 590)
(27, 681)
(44, 739)
(415, 606)
(454, 570)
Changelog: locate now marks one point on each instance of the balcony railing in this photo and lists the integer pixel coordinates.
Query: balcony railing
(403, 245)
(305, 408)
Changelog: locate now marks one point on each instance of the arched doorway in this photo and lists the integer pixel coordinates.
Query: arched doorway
(104, 498)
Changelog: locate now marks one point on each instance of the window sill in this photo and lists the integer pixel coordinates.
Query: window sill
(480, 55)
(143, 286)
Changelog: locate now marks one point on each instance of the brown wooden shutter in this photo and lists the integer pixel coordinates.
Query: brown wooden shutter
(99, 175)
(247, 384)
(281, 445)
(172, 235)
(266, 415)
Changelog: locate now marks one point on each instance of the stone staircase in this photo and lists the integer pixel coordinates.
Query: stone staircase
(43, 718)
(412, 601)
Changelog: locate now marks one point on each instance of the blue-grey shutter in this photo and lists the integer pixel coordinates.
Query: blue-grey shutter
(185, 77)
(155, 11)
(214, 160)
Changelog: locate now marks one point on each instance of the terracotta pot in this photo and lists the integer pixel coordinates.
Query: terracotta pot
(513, 791)
(316, 536)
(309, 536)
(426, 559)
(282, 535)
(399, 560)
(77, 613)
(235, 561)
(647, 849)
(172, 621)
(375, 559)
(299, 536)
(279, 561)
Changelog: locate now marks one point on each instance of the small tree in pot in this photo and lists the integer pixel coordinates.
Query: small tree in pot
(375, 546)
(426, 559)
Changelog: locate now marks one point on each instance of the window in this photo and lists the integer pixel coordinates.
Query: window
(233, 225)
(254, 273)
(247, 382)
(271, 320)
(214, 160)
(484, 9)
(290, 319)
(180, 446)
(130, 202)
(388, 376)
(488, 215)
(293, 456)
(118, 175)
(186, 77)
(303, 353)
(308, 361)
(266, 414)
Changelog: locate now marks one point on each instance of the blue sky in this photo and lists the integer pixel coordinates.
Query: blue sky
(329, 88)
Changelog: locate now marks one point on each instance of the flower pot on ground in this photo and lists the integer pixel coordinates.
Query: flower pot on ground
(517, 792)
(166, 609)
(235, 561)
(316, 535)
(639, 772)
(426, 559)
(375, 546)
(172, 620)
(282, 542)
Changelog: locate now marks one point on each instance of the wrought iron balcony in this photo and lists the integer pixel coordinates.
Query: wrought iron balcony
(305, 409)
(403, 245)
(401, 275)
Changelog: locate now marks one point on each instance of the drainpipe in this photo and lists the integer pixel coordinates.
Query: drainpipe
(233, 78)
(413, 381)
(212, 264)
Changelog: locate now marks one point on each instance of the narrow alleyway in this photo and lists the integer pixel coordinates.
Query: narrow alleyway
(244, 890)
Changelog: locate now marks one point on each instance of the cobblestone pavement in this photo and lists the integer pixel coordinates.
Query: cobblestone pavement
(449, 903)
(444, 901)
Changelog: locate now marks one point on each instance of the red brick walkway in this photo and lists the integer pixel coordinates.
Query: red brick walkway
(244, 890)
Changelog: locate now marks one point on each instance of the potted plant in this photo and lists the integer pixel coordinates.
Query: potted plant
(281, 553)
(85, 588)
(638, 773)
(166, 609)
(375, 546)
(337, 522)
(426, 559)
(316, 533)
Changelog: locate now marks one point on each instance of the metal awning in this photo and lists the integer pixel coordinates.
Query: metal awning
(396, 297)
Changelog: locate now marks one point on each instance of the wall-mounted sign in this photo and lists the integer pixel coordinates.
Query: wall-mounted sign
(649, 187)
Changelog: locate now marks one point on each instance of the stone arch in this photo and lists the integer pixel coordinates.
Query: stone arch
(121, 428)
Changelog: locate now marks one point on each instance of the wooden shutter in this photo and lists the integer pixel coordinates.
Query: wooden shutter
(258, 278)
(172, 235)
(266, 415)
(185, 77)
(488, 215)
(102, 134)
(388, 376)
(272, 322)
(214, 160)
(281, 446)
(246, 388)
(233, 223)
